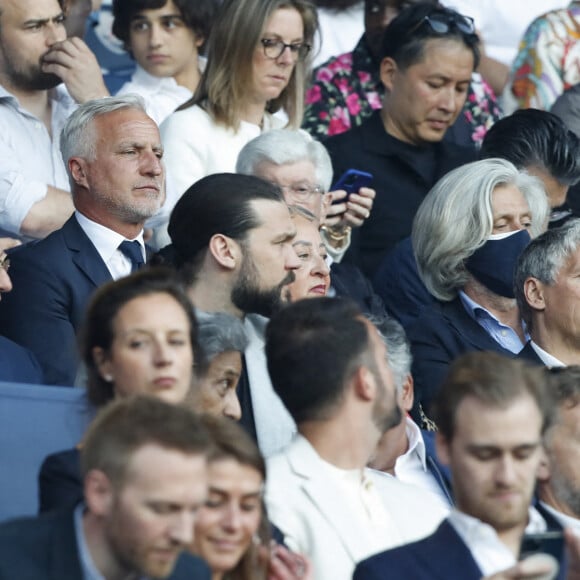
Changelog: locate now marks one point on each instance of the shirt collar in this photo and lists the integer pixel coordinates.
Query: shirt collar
(474, 309)
(142, 77)
(106, 241)
(546, 357)
(89, 569)
(563, 519)
(416, 443)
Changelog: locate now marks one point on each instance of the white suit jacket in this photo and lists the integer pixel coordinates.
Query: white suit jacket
(318, 522)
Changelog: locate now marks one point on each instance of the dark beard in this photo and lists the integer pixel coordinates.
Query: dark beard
(250, 299)
(33, 79)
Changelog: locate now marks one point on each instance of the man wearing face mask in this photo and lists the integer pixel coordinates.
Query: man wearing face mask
(467, 236)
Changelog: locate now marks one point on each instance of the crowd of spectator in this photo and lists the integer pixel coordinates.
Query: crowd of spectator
(292, 378)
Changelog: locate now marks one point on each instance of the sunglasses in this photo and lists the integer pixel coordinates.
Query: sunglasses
(443, 22)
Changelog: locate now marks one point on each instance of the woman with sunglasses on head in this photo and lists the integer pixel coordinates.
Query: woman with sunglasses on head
(232, 532)
(257, 63)
(140, 337)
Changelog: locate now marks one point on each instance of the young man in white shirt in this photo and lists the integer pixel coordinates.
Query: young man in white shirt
(165, 42)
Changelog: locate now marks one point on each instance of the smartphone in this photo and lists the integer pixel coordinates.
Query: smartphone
(543, 543)
(351, 181)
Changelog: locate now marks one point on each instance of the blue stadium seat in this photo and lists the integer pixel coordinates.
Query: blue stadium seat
(34, 421)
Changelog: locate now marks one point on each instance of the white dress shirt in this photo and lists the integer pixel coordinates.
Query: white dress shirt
(107, 242)
(30, 158)
(411, 467)
(489, 552)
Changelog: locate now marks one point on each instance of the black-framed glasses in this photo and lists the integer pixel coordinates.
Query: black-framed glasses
(443, 22)
(274, 48)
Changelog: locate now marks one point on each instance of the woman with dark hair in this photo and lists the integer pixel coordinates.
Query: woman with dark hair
(257, 64)
(232, 532)
(140, 337)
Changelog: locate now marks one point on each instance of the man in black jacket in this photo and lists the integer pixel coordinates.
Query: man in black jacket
(144, 468)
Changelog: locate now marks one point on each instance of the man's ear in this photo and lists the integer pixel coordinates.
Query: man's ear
(534, 293)
(407, 394)
(225, 251)
(99, 492)
(364, 383)
(388, 72)
(77, 168)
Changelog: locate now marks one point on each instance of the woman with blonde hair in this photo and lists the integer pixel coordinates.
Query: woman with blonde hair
(257, 64)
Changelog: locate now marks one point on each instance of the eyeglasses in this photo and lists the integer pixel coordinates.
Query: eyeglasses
(274, 48)
(301, 191)
(443, 22)
(5, 263)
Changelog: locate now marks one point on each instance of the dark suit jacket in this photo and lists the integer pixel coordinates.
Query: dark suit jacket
(398, 283)
(347, 280)
(440, 556)
(59, 482)
(529, 354)
(440, 472)
(438, 336)
(18, 364)
(53, 280)
(399, 180)
(45, 548)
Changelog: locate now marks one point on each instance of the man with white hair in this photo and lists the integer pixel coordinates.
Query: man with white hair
(113, 153)
(301, 167)
(467, 236)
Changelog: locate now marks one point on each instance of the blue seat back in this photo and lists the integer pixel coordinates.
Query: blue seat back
(34, 421)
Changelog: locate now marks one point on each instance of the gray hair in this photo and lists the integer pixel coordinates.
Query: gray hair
(543, 259)
(456, 218)
(77, 138)
(284, 146)
(398, 348)
(220, 332)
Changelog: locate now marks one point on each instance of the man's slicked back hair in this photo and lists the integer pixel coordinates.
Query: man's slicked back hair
(216, 204)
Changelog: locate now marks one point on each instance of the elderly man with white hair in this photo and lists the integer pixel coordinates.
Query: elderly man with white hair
(467, 236)
(301, 167)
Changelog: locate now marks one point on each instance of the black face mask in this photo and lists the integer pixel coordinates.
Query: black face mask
(494, 263)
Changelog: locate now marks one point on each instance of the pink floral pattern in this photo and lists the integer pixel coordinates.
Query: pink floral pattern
(347, 89)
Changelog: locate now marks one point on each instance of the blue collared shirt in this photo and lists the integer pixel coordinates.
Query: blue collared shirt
(504, 335)
(88, 567)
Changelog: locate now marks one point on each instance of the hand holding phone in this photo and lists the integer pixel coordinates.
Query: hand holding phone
(351, 181)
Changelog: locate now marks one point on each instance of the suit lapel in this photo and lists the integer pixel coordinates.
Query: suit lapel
(446, 556)
(65, 562)
(328, 501)
(84, 254)
(469, 329)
